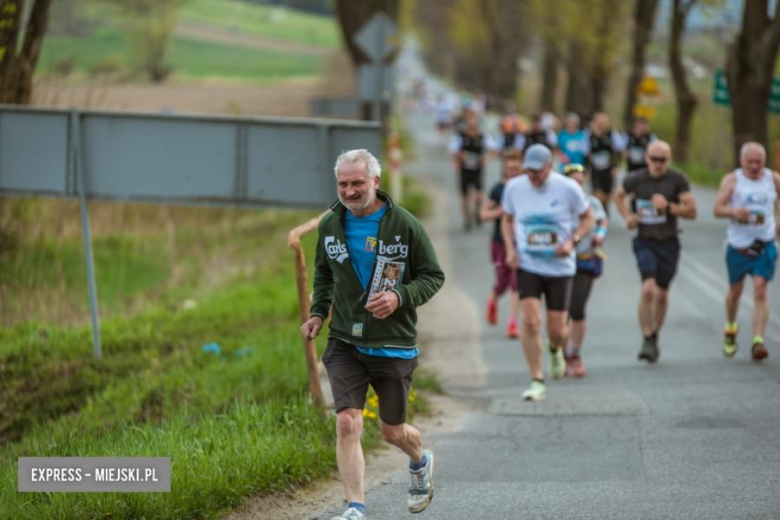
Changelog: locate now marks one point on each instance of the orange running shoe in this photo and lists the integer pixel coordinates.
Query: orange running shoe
(511, 330)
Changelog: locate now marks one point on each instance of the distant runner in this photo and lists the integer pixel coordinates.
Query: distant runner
(605, 144)
(470, 150)
(590, 264)
(506, 277)
(573, 142)
(636, 141)
(749, 197)
(536, 134)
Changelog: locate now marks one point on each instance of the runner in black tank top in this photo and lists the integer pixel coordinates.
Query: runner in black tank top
(469, 151)
(604, 144)
(637, 141)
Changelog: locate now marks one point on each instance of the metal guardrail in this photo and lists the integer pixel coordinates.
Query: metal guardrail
(172, 159)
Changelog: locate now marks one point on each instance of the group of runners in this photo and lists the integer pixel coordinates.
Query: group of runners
(546, 243)
(545, 247)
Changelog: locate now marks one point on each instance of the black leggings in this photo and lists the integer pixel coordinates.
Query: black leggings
(580, 291)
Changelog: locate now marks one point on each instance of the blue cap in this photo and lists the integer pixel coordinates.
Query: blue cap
(536, 157)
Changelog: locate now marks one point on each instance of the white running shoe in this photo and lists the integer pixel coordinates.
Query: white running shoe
(421, 489)
(350, 514)
(557, 363)
(536, 392)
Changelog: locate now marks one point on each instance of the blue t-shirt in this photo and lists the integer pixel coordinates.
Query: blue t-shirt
(361, 234)
(362, 238)
(574, 146)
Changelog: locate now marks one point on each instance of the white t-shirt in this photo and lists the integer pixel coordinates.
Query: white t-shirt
(544, 218)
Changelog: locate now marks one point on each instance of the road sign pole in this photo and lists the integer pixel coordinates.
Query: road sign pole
(379, 73)
(77, 165)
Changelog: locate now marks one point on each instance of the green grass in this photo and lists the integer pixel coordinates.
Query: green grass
(235, 424)
(198, 59)
(145, 264)
(264, 21)
(190, 58)
(215, 463)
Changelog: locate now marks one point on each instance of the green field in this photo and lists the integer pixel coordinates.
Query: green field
(190, 58)
(106, 49)
(264, 21)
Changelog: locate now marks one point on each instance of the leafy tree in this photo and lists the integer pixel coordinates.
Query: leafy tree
(749, 68)
(150, 25)
(644, 18)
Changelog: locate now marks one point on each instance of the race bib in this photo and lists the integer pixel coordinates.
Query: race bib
(471, 160)
(648, 214)
(541, 239)
(636, 155)
(601, 160)
(757, 218)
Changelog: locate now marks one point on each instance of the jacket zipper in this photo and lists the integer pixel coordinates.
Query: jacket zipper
(373, 268)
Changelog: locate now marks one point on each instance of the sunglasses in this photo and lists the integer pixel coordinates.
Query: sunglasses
(658, 159)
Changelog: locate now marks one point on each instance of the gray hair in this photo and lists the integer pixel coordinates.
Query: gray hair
(751, 145)
(361, 155)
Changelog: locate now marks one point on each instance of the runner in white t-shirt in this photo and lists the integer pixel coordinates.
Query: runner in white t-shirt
(545, 215)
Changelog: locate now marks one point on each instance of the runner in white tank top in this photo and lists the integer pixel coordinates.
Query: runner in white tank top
(758, 197)
(749, 197)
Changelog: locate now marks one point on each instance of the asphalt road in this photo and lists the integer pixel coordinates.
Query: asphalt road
(693, 437)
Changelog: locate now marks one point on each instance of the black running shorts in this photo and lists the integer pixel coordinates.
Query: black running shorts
(556, 289)
(350, 372)
(602, 181)
(470, 178)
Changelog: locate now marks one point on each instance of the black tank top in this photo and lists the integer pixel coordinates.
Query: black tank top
(532, 138)
(637, 145)
(601, 152)
(473, 148)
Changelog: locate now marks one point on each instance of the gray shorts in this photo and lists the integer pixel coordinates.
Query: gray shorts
(350, 372)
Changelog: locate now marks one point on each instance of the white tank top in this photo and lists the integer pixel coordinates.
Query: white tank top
(758, 196)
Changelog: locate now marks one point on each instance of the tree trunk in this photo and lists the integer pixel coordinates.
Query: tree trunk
(599, 84)
(578, 98)
(505, 18)
(644, 17)
(17, 69)
(352, 16)
(550, 75)
(686, 100)
(749, 68)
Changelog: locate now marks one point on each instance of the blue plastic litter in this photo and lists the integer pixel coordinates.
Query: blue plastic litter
(211, 347)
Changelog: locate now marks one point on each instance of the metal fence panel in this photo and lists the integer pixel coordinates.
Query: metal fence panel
(34, 152)
(172, 158)
(158, 159)
(286, 165)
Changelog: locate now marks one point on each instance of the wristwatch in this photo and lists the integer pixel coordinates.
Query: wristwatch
(575, 240)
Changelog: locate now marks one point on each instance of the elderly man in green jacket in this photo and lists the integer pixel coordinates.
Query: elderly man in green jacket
(374, 266)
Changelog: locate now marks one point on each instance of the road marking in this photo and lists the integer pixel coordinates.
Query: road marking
(715, 286)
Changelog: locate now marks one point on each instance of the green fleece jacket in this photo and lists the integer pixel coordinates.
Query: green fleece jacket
(401, 239)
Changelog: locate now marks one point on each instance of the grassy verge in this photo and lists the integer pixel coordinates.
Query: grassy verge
(209, 371)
